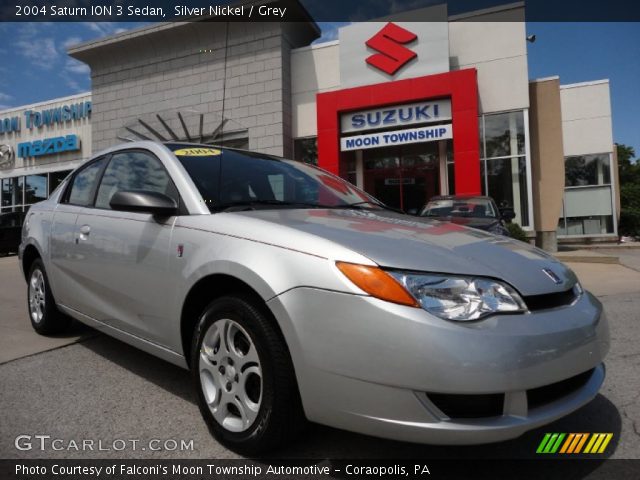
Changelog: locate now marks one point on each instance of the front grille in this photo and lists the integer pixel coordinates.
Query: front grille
(492, 405)
(550, 300)
(540, 396)
(468, 406)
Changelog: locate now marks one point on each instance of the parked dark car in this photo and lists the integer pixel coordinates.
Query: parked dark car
(10, 232)
(470, 211)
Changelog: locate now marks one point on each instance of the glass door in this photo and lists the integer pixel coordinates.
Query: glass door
(404, 177)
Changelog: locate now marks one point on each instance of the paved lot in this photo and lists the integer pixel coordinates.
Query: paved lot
(629, 257)
(17, 338)
(101, 389)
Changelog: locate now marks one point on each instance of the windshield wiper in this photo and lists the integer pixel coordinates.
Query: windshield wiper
(250, 204)
(361, 205)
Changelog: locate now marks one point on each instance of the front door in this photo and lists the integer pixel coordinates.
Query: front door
(125, 254)
(404, 177)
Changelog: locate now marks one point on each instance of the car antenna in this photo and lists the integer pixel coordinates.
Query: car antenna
(224, 83)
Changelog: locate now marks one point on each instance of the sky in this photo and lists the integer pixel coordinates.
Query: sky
(34, 65)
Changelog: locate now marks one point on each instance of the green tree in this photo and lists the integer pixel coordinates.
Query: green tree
(629, 174)
(628, 166)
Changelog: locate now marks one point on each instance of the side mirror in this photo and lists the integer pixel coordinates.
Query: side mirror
(144, 201)
(508, 214)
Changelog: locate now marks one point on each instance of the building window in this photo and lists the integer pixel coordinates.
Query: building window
(582, 170)
(504, 162)
(348, 169)
(19, 193)
(587, 207)
(306, 150)
(12, 194)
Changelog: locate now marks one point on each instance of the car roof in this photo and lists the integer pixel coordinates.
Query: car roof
(460, 197)
(146, 144)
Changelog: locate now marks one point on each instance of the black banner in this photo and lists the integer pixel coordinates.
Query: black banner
(318, 469)
(304, 10)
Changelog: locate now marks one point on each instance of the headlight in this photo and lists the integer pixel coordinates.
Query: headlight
(460, 298)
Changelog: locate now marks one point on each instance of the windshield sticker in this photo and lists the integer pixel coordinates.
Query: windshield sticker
(197, 152)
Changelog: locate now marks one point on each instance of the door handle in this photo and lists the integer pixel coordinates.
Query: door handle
(85, 230)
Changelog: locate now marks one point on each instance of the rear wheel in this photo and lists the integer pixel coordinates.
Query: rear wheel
(244, 377)
(45, 317)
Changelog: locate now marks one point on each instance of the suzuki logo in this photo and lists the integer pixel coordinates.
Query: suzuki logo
(389, 42)
(552, 276)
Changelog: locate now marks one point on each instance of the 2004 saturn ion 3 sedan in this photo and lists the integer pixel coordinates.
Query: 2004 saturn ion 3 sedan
(292, 295)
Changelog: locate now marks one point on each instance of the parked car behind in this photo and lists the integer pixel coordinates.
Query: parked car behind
(292, 295)
(471, 211)
(10, 228)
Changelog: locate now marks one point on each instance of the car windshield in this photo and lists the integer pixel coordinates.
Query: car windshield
(231, 179)
(464, 207)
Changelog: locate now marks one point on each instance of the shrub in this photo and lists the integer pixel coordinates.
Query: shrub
(517, 232)
(629, 222)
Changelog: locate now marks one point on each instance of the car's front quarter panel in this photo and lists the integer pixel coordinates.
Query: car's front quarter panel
(356, 355)
(210, 245)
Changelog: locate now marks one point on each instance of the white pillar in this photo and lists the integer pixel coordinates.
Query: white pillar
(444, 180)
(359, 170)
(515, 179)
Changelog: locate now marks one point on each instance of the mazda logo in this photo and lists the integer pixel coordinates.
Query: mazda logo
(6, 155)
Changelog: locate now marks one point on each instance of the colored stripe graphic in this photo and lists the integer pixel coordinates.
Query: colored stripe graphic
(567, 443)
(591, 442)
(543, 443)
(581, 443)
(555, 447)
(550, 443)
(574, 443)
(600, 442)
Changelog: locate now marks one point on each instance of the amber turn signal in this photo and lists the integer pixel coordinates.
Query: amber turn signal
(377, 283)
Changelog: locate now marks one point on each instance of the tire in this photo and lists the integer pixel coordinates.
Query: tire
(250, 404)
(45, 317)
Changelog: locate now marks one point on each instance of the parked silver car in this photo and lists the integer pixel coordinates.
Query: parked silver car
(292, 295)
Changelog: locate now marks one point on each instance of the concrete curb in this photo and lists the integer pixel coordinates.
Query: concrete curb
(605, 246)
(587, 257)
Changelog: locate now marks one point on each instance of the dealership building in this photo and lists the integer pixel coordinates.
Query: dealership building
(405, 110)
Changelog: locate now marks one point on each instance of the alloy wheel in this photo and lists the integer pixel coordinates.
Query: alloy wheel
(231, 375)
(37, 296)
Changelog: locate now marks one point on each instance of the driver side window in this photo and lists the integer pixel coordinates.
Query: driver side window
(134, 170)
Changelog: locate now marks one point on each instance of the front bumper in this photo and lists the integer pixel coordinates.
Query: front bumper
(368, 366)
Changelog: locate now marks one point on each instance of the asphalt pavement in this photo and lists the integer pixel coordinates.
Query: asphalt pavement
(89, 386)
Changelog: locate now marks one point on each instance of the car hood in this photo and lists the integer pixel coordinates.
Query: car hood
(405, 242)
(474, 222)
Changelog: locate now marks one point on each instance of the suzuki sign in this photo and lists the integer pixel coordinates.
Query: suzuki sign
(396, 116)
(375, 52)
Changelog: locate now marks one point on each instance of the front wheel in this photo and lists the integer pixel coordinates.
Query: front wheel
(45, 317)
(244, 377)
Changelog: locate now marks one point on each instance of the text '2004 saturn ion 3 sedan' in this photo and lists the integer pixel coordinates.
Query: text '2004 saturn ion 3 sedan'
(292, 295)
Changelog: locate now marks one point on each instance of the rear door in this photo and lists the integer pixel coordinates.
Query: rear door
(67, 284)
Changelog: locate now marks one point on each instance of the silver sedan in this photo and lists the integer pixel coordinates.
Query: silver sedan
(291, 295)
